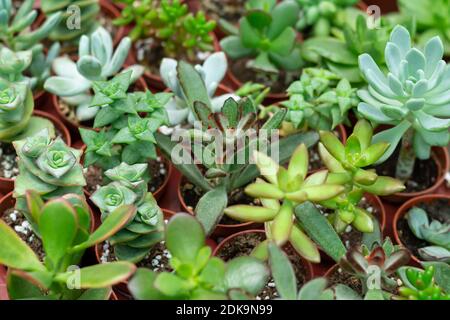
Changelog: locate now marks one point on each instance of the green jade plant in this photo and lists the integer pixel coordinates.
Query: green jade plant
(56, 278)
(79, 18)
(421, 284)
(197, 275)
(128, 122)
(267, 37)
(49, 167)
(170, 23)
(230, 169)
(434, 232)
(97, 62)
(413, 97)
(146, 228)
(212, 72)
(282, 191)
(347, 166)
(374, 268)
(319, 101)
(340, 53)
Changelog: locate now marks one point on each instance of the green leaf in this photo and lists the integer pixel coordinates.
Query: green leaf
(282, 273)
(247, 273)
(141, 286)
(313, 289)
(96, 294)
(209, 209)
(184, 237)
(57, 215)
(192, 85)
(234, 48)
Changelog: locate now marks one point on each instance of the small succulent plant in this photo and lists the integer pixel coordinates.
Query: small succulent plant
(266, 36)
(128, 122)
(374, 267)
(97, 62)
(56, 279)
(319, 100)
(196, 274)
(129, 187)
(320, 16)
(170, 23)
(346, 164)
(421, 284)
(47, 166)
(212, 73)
(434, 232)
(282, 191)
(413, 97)
(80, 18)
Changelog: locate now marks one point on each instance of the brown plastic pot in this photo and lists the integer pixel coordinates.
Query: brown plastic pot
(307, 264)
(3, 289)
(403, 210)
(7, 185)
(71, 125)
(441, 158)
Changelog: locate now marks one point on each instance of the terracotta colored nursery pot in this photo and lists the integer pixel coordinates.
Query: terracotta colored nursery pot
(7, 185)
(403, 210)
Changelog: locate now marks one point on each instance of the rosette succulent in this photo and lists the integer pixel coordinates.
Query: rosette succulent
(434, 232)
(97, 62)
(80, 18)
(48, 167)
(197, 274)
(421, 284)
(319, 100)
(280, 192)
(414, 98)
(129, 187)
(64, 226)
(212, 73)
(374, 268)
(346, 165)
(267, 37)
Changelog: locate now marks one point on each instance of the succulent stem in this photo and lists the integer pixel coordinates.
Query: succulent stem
(407, 157)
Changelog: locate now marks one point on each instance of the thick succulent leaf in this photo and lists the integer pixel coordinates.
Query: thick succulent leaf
(210, 208)
(234, 48)
(264, 190)
(304, 245)
(282, 273)
(391, 136)
(333, 145)
(246, 273)
(313, 290)
(284, 15)
(250, 213)
(385, 186)
(281, 226)
(141, 285)
(298, 165)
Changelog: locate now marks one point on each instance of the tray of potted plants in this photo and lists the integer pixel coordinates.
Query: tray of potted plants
(224, 150)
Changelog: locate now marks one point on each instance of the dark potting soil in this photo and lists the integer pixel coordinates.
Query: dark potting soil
(192, 194)
(278, 83)
(244, 244)
(150, 53)
(315, 162)
(106, 21)
(8, 161)
(338, 276)
(17, 221)
(157, 259)
(424, 176)
(436, 210)
(157, 168)
(229, 10)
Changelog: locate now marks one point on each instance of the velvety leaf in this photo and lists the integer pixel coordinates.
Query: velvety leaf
(246, 273)
(282, 273)
(210, 207)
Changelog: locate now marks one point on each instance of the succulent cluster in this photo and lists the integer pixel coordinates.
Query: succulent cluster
(266, 36)
(170, 23)
(128, 121)
(413, 98)
(421, 284)
(97, 62)
(434, 232)
(320, 100)
(48, 167)
(79, 18)
(55, 279)
(346, 165)
(130, 187)
(196, 274)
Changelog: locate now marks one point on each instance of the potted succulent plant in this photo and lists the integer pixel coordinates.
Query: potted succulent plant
(128, 122)
(412, 98)
(71, 87)
(196, 274)
(264, 49)
(422, 226)
(166, 28)
(92, 14)
(60, 278)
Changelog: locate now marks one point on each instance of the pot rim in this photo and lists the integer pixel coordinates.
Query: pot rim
(403, 210)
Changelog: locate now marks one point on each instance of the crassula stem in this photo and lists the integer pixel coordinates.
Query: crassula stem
(407, 157)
